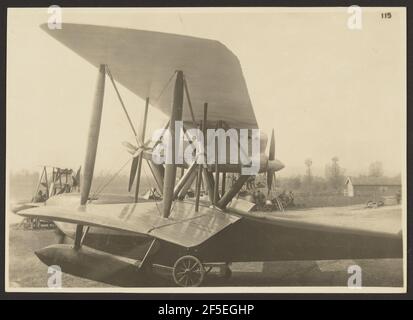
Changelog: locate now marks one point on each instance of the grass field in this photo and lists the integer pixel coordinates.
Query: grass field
(328, 200)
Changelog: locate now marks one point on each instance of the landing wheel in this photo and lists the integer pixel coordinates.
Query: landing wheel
(188, 272)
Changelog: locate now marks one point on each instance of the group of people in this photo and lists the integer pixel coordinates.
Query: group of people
(40, 197)
(277, 203)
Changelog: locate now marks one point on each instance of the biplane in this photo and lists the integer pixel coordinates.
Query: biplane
(53, 180)
(56, 180)
(118, 239)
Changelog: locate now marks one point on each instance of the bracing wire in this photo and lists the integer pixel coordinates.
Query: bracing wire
(150, 186)
(166, 86)
(99, 191)
(103, 182)
(101, 188)
(121, 100)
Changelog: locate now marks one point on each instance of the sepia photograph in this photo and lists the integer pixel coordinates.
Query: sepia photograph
(206, 150)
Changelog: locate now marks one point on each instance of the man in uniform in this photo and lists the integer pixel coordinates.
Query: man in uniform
(40, 197)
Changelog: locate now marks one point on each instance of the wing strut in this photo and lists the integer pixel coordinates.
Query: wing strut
(209, 181)
(224, 180)
(121, 102)
(173, 143)
(150, 250)
(183, 181)
(92, 144)
(140, 157)
(199, 176)
(187, 185)
(216, 182)
(227, 197)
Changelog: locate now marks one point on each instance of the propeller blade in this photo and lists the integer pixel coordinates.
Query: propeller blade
(275, 181)
(142, 146)
(137, 153)
(271, 155)
(142, 125)
(130, 147)
(133, 170)
(269, 181)
(138, 177)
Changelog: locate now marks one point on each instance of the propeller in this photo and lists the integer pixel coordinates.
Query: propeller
(136, 152)
(273, 165)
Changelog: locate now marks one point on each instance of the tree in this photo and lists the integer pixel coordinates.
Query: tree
(335, 175)
(376, 169)
(296, 183)
(308, 178)
(290, 183)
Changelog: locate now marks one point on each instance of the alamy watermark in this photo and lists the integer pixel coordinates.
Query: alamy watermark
(355, 22)
(192, 146)
(355, 279)
(55, 17)
(55, 279)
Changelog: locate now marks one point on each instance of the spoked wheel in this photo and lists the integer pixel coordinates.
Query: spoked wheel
(188, 272)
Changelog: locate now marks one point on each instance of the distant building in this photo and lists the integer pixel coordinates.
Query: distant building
(376, 187)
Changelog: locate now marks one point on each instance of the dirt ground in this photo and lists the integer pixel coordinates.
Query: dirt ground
(26, 271)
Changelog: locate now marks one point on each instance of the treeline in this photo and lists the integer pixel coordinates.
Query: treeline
(317, 184)
(333, 180)
(23, 183)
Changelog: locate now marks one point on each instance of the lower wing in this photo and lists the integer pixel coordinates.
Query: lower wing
(184, 227)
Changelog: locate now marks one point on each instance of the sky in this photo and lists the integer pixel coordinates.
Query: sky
(326, 90)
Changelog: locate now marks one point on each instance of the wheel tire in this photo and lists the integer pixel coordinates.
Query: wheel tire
(188, 271)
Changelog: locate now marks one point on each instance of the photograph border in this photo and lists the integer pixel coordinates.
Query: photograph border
(200, 293)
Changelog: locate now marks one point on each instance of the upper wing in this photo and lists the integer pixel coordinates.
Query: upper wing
(184, 227)
(144, 61)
